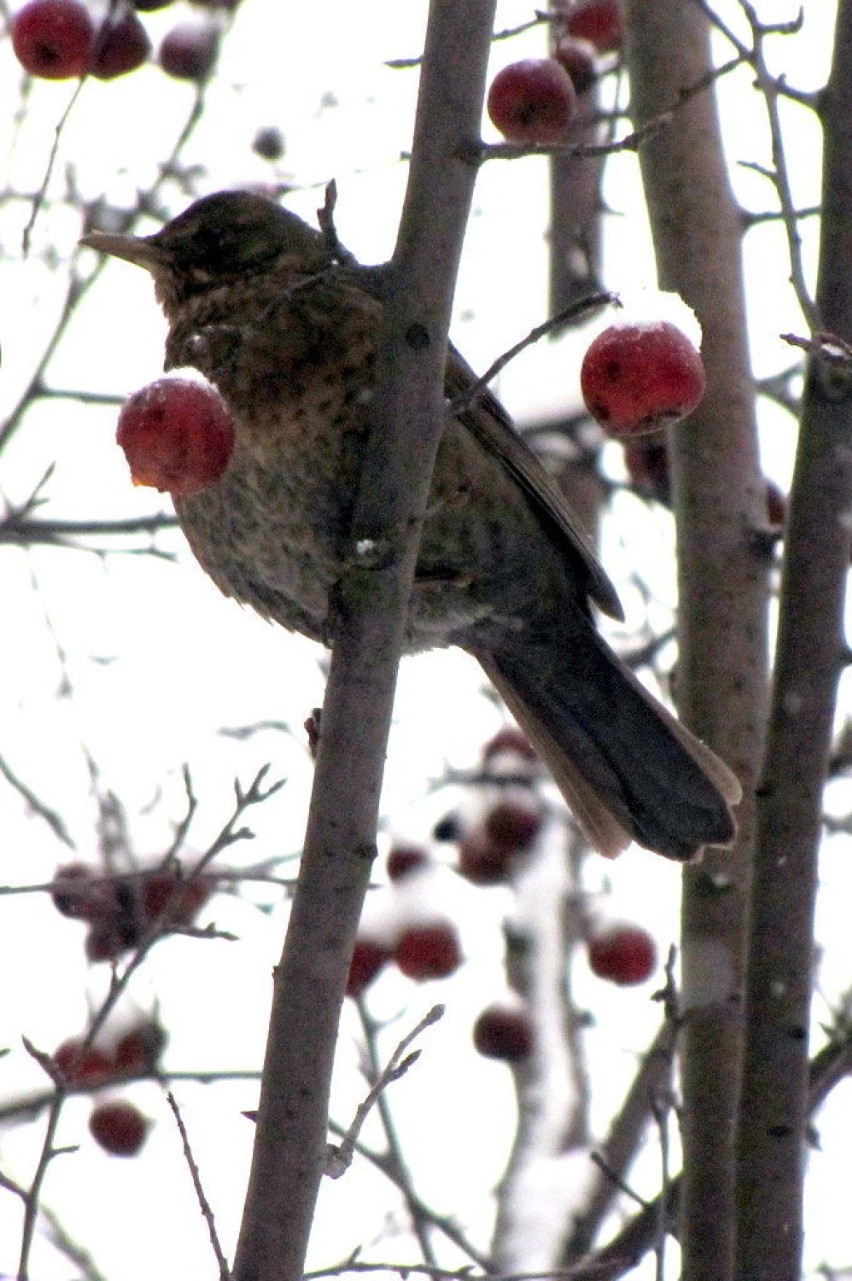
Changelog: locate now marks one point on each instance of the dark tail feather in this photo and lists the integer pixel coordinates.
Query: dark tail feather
(627, 768)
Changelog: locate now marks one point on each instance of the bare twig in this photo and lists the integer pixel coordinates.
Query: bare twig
(203, 1203)
(339, 1156)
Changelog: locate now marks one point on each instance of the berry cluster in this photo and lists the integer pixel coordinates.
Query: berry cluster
(116, 1124)
(493, 851)
(61, 39)
(120, 910)
(535, 100)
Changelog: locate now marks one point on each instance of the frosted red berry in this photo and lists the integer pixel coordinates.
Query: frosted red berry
(428, 951)
(622, 953)
(481, 861)
(80, 1065)
(177, 435)
(139, 1049)
(639, 377)
(76, 892)
(598, 21)
(511, 826)
(532, 101)
(53, 39)
(504, 1032)
(118, 1127)
(166, 897)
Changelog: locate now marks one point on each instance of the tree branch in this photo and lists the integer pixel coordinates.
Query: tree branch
(368, 631)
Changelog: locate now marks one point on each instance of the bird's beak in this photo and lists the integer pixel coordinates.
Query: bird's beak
(140, 250)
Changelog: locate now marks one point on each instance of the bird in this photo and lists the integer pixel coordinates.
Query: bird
(286, 326)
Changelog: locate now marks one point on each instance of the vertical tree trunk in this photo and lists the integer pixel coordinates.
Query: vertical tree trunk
(721, 674)
(810, 654)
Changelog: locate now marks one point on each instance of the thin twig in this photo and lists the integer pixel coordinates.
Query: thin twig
(203, 1203)
(339, 1156)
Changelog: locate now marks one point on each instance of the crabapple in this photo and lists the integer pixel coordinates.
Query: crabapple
(118, 1127)
(53, 39)
(532, 101)
(405, 859)
(598, 21)
(166, 895)
(120, 47)
(75, 892)
(177, 435)
(510, 826)
(481, 861)
(429, 951)
(369, 956)
(189, 50)
(503, 1032)
(578, 57)
(81, 1065)
(139, 1049)
(639, 377)
(622, 953)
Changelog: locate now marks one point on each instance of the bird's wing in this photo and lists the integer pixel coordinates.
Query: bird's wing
(488, 421)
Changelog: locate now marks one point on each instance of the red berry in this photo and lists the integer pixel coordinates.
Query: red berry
(578, 57)
(599, 21)
(405, 859)
(428, 951)
(140, 1048)
(120, 46)
(532, 101)
(76, 893)
(640, 377)
(511, 826)
(481, 861)
(177, 435)
(105, 941)
(647, 462)
(509, 739)
(166, 896)
(81, 1066)
(119, 1127)
(503, 1032)
(624, 954)
(189, 51)
(368, 958)
(117, 933)
(53, 39)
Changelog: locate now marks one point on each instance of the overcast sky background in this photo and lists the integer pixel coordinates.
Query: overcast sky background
(191, 663)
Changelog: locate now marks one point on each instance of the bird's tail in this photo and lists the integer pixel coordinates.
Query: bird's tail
(627, 768)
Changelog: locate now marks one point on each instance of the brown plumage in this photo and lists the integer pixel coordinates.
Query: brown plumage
(256, 301)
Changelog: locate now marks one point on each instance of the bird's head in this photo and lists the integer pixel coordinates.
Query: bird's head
(218, 239)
